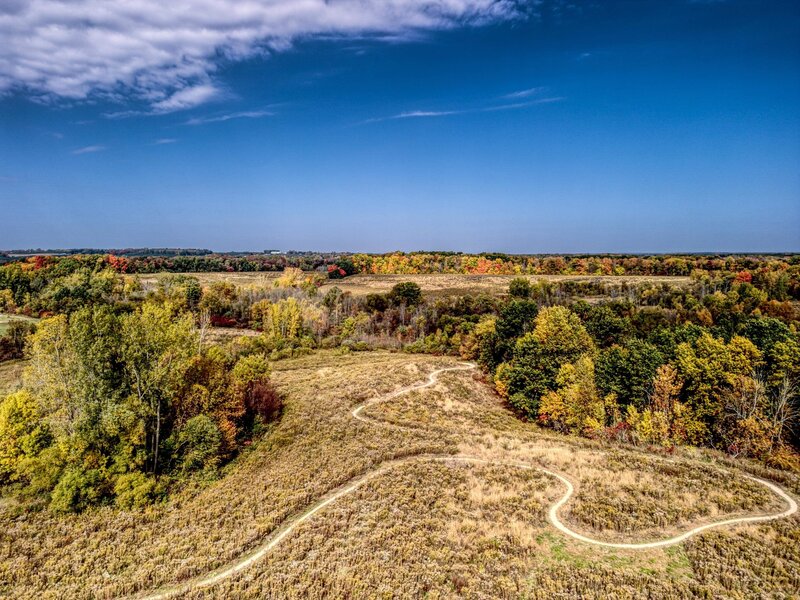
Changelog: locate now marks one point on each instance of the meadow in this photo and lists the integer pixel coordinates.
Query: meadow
(432, 529)
(10, 375)
(432, 284)
(5, 320)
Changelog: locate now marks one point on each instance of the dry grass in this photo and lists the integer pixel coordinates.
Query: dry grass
(434, 530)
(11, 375)
(361, 285)
(621, 495)
(150, 280)
(454, 285)
(5, 320)
(316, 447)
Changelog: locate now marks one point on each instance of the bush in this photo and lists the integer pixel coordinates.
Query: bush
(134, 490)
(524, 405)
(784, 458)
(77, 489)
(519, 288)
(264, 401)
(355, 346)
(199, 444)
(329, 342)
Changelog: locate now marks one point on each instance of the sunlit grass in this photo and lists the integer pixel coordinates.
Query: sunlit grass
(426, 529)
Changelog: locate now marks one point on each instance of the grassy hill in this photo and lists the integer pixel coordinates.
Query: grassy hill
(434, 529)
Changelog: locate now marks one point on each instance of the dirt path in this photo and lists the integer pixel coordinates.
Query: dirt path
(292, 523)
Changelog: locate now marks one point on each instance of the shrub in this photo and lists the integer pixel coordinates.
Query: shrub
(356, 346)
(199, 444)
(77, 489)
(264, 401)
(523, 404)
(784, 458)
(134, 490)
(519, 288)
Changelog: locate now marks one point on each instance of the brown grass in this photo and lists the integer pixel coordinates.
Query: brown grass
(435, 530)
(361, 285)
(11, 375)
(435, 284)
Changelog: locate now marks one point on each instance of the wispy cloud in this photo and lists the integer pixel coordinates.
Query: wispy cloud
(167, 54)
(247, 114)
(421, 114)
(188, 98)
(162, 141)
(417, 114)
(525, 93)
(89, 149)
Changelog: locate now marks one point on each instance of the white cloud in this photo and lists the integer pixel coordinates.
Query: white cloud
(166, 53)
(162, 141)
(187, 98)
(525, 93)
(250, 114)
(88, 149)
(415, 114)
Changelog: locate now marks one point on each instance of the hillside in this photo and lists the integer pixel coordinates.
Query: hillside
(443, 528)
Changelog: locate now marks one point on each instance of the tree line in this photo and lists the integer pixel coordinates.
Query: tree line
(778, 275)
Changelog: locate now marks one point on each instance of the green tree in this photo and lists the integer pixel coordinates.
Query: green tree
(23, 434)
(155, 345)
(520, 287)
(199, 443)
(576, 405)
(628, 370)
(708, 368)
(515, 319)
(604, 325)
(406, 293)
(77, 489)
(558, 337)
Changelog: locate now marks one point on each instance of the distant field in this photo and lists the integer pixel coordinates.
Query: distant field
(151, 279)
(6, 319)
(360, 285)
(11, 375)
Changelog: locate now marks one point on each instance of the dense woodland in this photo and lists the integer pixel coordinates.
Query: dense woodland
(126, 395)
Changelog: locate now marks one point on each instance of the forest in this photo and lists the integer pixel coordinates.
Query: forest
(779, 273)
(130, 390)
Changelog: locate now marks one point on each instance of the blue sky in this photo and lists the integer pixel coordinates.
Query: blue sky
(366, 125)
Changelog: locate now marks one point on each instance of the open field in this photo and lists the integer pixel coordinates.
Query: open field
(427, 528)
(10, 375)
(6, 319)
(361, 285)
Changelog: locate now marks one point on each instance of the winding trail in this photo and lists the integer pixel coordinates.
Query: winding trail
(277, 536)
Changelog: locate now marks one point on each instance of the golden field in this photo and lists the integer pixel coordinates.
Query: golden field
(436, 284)
(425, 528)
